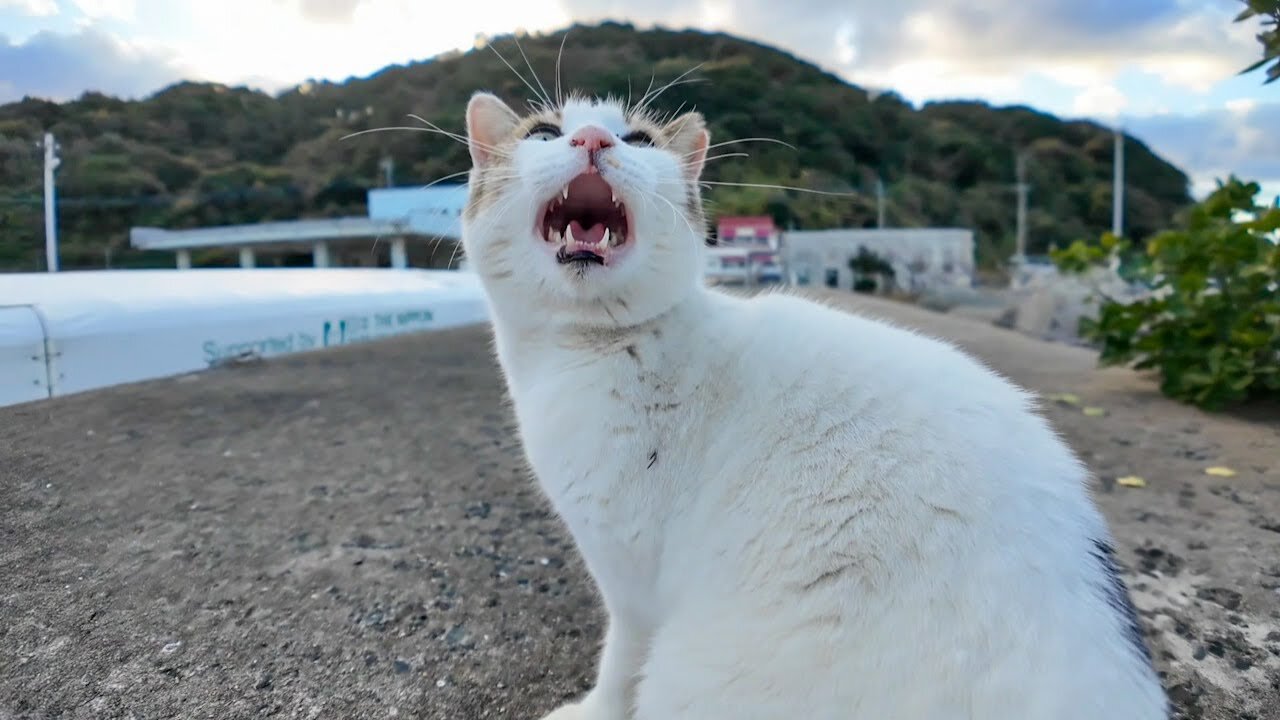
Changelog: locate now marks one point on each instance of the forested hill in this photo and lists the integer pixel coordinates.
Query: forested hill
(202, 154)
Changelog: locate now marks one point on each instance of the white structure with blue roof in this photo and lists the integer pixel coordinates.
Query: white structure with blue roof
(396, 216)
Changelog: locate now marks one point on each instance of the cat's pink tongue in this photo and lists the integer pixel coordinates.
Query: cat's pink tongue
(586, 236)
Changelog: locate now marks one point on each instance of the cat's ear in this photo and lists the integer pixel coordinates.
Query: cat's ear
(687, 137)
(490, 122)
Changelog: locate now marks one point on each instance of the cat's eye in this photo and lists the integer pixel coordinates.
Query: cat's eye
(543, 131)
(638, 137)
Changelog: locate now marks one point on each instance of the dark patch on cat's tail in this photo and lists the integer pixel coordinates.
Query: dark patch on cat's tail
(1117, 595)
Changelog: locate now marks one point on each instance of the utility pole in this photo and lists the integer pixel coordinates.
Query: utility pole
(1117, 192)
(879, 202)
(51, 162)
(388, 166)
(1023, 189)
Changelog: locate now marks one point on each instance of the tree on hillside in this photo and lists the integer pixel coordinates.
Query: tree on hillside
(1269, 11)
(197, 154)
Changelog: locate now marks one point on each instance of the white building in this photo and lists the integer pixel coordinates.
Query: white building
(418, 227)
(434, 211)
(922, 258)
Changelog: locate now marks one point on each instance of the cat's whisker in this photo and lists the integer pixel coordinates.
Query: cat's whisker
(663, 120)
(369, 131)
(532, 89)
(763, 186)
(742, 140)
(450, 176)
(676, 212)
(430, 130)
(718, 157)
(559, 56)
(457, 248)
(644, 196)
(665, 144)
(458, 136)
(503, 208)
(674, 113)
(532, 72)
(650, 97)
(631, 109)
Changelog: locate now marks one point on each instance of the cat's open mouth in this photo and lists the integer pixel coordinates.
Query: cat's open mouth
(586, 221)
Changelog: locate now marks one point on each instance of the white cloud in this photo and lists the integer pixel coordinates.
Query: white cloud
(927, 79)
(325, 11)
(34, 8)
(846, 45)
(1218, 143)
(924, 49)
(61, 67)
(1189, 45)
(716, 14)
(1242, 106)
(1099, 101)
(104, 9)
(288, 42)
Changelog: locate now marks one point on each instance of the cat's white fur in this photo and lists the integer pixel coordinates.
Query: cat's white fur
(790, 512)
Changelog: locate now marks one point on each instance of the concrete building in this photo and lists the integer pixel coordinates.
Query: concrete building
(405, 227)
(434, 211)
(922, 258)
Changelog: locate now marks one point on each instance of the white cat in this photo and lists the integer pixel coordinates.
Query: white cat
(790, 512)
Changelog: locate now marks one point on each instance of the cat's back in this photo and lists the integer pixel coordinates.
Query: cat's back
(833, 404)
(821, 348)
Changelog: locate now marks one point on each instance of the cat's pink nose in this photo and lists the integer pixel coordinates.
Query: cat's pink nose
(592, 138)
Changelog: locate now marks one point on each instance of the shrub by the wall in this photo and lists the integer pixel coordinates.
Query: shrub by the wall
(1210, 325)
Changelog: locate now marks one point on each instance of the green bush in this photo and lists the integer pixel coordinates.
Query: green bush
(1211, 323)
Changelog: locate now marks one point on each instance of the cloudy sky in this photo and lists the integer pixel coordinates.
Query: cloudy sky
(1165, 69)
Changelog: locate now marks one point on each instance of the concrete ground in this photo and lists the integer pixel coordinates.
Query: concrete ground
(352, 534)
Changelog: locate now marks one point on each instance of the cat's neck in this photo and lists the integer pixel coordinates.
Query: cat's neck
(515, 313)
(525, 334)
